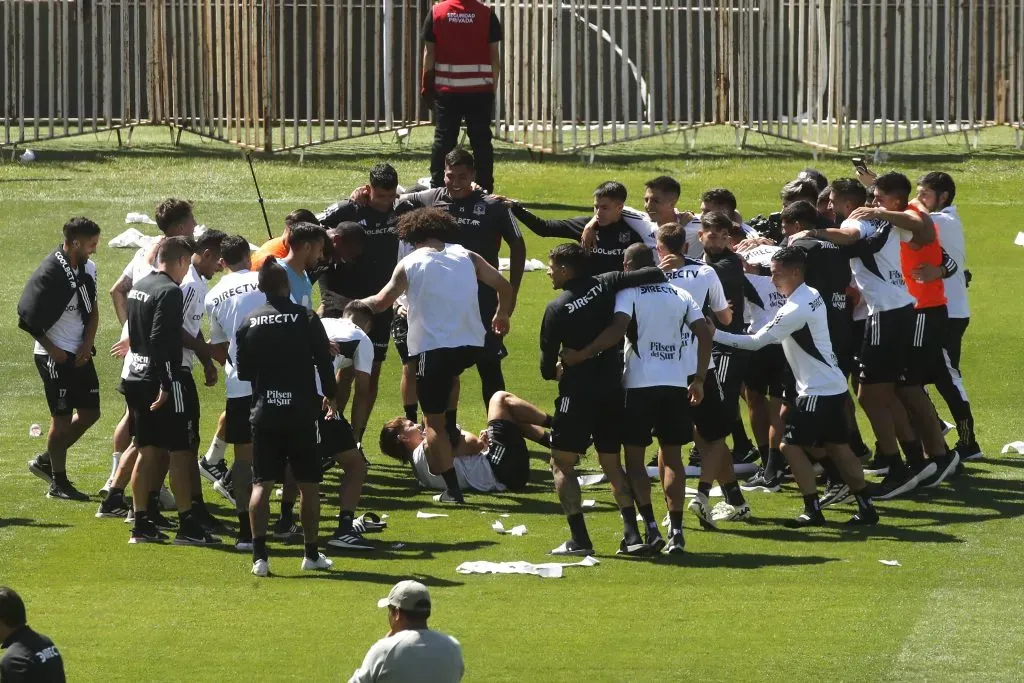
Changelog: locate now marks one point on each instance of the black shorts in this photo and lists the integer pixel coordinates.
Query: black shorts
(174, 426)
(334, 436)
(663, 412)
(436, 371)
(494, 346)
(766, 371)
(814, 421)
(883, 352)
(730, 366)
(68, 388)
(275, 448)
(237, 428)
(508, 454)
(924, 357)
(713, 417)
(400, 333)
(380, 334)
(585, 413)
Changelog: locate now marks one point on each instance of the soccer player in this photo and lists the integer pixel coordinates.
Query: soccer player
(661, 195)
(306, 242)
(58, 308)
(495, 460)
(613, 227)
(664, 375)
(817, 417)
(590, 400)
(935, 193)
(482, 221)
(278, 246)
(284, 406)
(165, 427)
(445, 328)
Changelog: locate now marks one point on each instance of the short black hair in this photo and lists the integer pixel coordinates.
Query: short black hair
(175, 248)
(234, 249)
(672, 236)
(211, 239)
(719, 196)
(459, 157)
(715, 220)
(639, 255)
(893, 183)
(851, 190)
(815, 176)
(799, 189)
(300, 216)
(825, 194)
(12, 608)
(273, 280)
(571, 255)
(416, 227)
(791, 257)
(390, 441)
(611, 189)
(349, 231)
(305, 233)
(666, 184)
(802, 212)
(938, 182)
(384, 176)
(80, 228)
(170, 212)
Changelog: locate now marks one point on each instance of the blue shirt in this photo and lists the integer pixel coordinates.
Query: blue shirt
(302, 288)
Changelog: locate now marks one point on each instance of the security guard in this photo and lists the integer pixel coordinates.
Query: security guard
(461, 64)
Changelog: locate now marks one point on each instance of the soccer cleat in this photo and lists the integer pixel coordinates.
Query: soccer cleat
(40, 466)
(445, 497)
(945, 467)
(346, 540)
(968, 451)
(699, 506)
(285, 529)
(805, 519)
(879, 465)
(676, 545)
(745, 456)
(836, 493)
(760, 482)
(212, 472)
(654, 542)
(571, 548)
(261, 568)
(66, 491)
(726, 512)
(113, 508)
(145, 532)
(368, 523)
(321, 562)
(191, 533)
(633, 549)
(867, 517)
(167, 501)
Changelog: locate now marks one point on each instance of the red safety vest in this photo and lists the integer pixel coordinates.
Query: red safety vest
(928, 294)
(462, 48)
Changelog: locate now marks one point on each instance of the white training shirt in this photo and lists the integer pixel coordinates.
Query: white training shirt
(801, 325)
(661, 355)
(443, 309)
(474, 472)
(701, 282)
(68, 332)
(951, 236)
(193, 290)
(876, 268)
(420, 655)
(763, 301)
(229, 304)
(355, 348)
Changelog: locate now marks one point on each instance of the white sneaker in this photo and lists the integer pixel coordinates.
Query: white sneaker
(699, 506)
(228, 494)
(724, 512)
(320, 562)
(167, 499)
(260, 568)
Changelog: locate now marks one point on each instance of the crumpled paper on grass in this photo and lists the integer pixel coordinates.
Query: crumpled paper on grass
(547, 570)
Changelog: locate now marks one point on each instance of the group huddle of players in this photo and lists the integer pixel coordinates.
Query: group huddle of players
(664, 322)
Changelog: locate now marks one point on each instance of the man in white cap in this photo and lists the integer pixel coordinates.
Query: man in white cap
(410, 651)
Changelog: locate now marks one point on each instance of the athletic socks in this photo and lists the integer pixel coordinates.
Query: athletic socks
(312, 552)
(863, 502)
(345, 521)
(60, 478)
(153, 501)
(811, 506)
(410, 412)
(215, 454)
(113, 492)
(774, 463)
(451, 482)
(546, 424)
(197, 501)
(675, 521)
(647, 512)
(578, 529)
(630, 531)
(259, 548)
(732, 493)
(115, 460)
(704, 488)
(288, 509)
(451, 425)
(762, 453)
(244, 528)
(914, 452)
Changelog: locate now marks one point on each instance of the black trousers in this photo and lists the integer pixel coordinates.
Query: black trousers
(450, 110)
(950, 383)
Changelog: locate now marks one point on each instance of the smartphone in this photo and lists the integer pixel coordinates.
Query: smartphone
(859, 165)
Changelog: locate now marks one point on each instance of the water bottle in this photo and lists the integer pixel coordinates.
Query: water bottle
(35, 430)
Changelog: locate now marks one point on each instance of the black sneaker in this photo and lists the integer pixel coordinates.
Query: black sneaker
(632, 547)
(863, 454)
(968, 451)
(66, 491)
(760, 482)
(694, 457)
(745, 456)
(191, 533)
(879, 465)
(654, 542)
(213, 472)
(113, 507)
(145, 532)
(835, 493)
(805, 519)
(445, 497)
(904, 479)
(571, 548)
(676, 545)
(159, 521)
(40, 466)
(285, 528)
(867, 517)
(348, 540)
(945, 467)
(208, 522)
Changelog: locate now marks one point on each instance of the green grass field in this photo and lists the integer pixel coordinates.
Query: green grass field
(753, 601)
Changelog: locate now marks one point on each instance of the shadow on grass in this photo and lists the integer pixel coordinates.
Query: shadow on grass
(341, 574)
(35, 180)
(26, 522)
(740, 560)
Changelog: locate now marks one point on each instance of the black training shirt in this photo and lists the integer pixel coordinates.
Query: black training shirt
(729, 267)
(30, 658)
(366, 275)
(155, 309)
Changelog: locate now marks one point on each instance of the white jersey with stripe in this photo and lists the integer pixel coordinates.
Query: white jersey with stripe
(801, 326)
(444, 312)
(474, 472)
(763, 301)
(194, 288)
(951, 236)
(658, 352)
(355, 350)
(229, 304)
(876, 267)
(68, 332)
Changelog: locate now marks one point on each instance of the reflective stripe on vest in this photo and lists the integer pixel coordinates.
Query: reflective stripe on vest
(462, 49)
